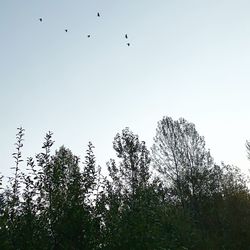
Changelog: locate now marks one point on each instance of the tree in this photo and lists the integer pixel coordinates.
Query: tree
(225, 215)
(89, 172)
(191, 203)
(180, 156)
(28, 227)
(135, 159)
(13, 195)
(43, 184)
(91, 182)
(131, 219)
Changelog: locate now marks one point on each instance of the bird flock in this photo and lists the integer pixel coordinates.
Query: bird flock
(88, 36)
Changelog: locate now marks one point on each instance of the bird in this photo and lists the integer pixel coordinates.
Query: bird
(126, 36)
(98, 14)
(40, 19)
(128, 44)
(88, 36)
(66, 30)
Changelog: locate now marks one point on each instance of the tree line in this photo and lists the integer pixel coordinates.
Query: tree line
(173, 196)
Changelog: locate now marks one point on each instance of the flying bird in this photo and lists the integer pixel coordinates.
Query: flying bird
(128, 44)
(40, 19)
(98, 14)
(66, 30)
(126, 36)
(88, 36)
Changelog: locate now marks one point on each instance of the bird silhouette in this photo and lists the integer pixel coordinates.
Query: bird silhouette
(126, 36)
(66, 30)
(98, 14)
(40, 19)
(128, 44)
(88, 36)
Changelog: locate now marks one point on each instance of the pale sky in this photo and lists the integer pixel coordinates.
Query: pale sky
(188, 58)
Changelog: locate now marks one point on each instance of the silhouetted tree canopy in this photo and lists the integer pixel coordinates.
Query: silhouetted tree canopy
(55, 200)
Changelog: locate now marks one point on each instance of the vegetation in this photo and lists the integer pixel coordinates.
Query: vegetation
(174, 197)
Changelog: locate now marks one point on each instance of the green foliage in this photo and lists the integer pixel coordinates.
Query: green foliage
(134, 166)
(190, 202)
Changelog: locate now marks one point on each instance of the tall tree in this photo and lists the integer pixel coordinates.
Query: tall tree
(131, 217)
(89, 172)
(180, 156)
(44, 188)
(135, 159)
(13, 194)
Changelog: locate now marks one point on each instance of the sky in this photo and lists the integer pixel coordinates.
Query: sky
(187, 59)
